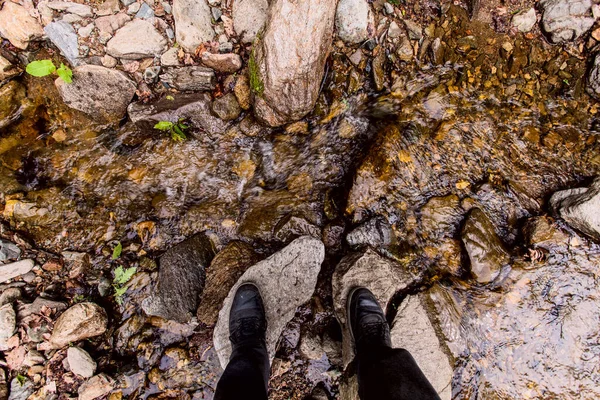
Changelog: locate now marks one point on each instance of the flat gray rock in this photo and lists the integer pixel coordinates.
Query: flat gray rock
(136, 39)
(413, 330)
(9, 251)
(249, 17)
(375, 233)
(580, 208)
(525, 21)
(566, 20)
(100, 92)
(15, 269)
(18, 26)
(287, 78)
(354, 21)
(192, 23)
(190, 78)
(81, 10)
(286, 280)
(181, 279)
(383, 277)
(80, 362)
(64, 37)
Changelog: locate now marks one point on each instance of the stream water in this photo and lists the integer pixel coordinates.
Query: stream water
(477, 128)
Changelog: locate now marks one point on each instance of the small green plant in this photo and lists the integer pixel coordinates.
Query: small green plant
(21, 379)
(122, 276)
(394, 2)
(176, 129)
(256, 84)
(117, 251)
(79, 298)
(46, 67)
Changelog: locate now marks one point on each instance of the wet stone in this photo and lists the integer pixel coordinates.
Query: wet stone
(189, 78)
(543, 232)
(64, 37)
(286, 280)
(226, 107)
(486, 252)
(80, 362)
(566, 20)
(12, 95)
(440, 216)
(579, 208)
(593, 79)
(81, 321)
(9, 251)
(181, 279)
(375, 233)
(293, 227)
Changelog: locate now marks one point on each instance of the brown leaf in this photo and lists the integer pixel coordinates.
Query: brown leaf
(15, 357)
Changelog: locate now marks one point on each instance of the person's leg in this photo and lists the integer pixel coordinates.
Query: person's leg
(383, 373)
(247, 373)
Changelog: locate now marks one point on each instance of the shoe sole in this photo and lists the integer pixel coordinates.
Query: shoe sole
(348, 302)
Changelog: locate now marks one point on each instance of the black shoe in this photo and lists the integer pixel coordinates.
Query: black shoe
(367, 322)
(247, 321)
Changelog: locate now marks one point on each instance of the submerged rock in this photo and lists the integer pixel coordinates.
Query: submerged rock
(286, 280)
(100, 92)
(249, 17)
(486, 251)
(82, 321)
(413, 330)
(194, 108)
(566, 20)
(287, 78)
(137, 39)
(354, 21)
(381, 276)
(375, 233)
(226, 107)
(224, 270)
(190, 78)
(15, 269)
(64, 37)
(80, 362)
(181, 279)
(18, 26)
(192, 23)
(12, 102)
(580, 208)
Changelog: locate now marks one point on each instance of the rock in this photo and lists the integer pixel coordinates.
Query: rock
(224, 271)
(375, 233)
(389, 9)
(26, 310)
(81, 10)
(441, 216)
(80, 362)
(543, 232)
(95, 387)
(9, 251)
(579, 208)
(15, 269)
(288, 78)
(7, 70)
(412, 330)
(109, 62)
(151, 75)
(86, 31)
(20, 391)
(64, 37)
(181, 279)
(486, 252)
(137, 39)
(228, 63)
(415, 32)
(566, 20)
(394, 31)
(226, 107)
(133, 8)
(170, 58)
(108, 7)
(9, 295)
(249, 17)
(102, 93)
(286, 280)
(525, 21)
(194, 108)
(354, 21)
(145, 12)
(378, 72)
(81, 321)
(292, 227)
(111, 23)
(18, 26)
(216, 13)
(192, 23)
(593, 79)
(3, 385)
(8, 324)
(381, 276)
(12, 100)
(242, 91)
(189, 78)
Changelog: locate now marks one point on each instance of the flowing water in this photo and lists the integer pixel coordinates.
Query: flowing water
(471, 125)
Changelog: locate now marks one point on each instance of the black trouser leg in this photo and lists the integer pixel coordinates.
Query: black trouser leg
(246, 375)
(391, 374)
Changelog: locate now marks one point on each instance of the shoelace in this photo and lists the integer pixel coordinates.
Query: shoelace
(247, 327)
(374, 330)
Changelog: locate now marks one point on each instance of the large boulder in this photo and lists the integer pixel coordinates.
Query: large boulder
(249, 17)
(287, 66)
(181, 279)
(286, 280)
(137, 39)
(566, 20)
(100, 92)
(18, 26)
(580, 208)
(192, 23)
(354, 21)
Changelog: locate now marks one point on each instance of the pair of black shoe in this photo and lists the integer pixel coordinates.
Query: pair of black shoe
(247, 321)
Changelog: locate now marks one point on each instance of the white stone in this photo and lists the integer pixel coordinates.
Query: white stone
(80, 362)
(18, 26)
(13, 270)
(192, 23)
(249, 17)
(394, 31)
(170, 58)
(86, 31)
(354, 20)
(74, 8)
(525, 21)
(137, 39)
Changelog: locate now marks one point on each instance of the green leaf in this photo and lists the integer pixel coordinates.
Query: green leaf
(21, 379)
(65, 73)
(170, 98)
(122, 276)
(117, 251)
(40, 68)
(164, 126)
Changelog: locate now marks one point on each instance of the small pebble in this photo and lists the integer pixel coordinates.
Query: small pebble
(389, 9)
(216, 13)
(109, 62)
